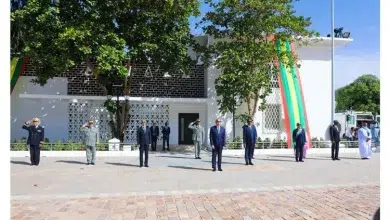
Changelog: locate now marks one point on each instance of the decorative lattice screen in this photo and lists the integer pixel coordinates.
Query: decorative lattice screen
(149, 112)
(271, 117)
(81, 112)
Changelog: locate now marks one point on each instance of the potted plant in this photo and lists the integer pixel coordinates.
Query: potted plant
(267, 143)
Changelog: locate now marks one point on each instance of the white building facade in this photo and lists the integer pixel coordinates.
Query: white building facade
(70, 99)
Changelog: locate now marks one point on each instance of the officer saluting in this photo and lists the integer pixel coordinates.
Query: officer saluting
(36, 136)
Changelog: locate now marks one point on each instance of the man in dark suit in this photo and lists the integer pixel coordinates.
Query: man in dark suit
(299, 139)
(36, 137)
(249, 138)
(217, 143)
(166, 131)
(144, 139)
(335, 138)
(155, 133)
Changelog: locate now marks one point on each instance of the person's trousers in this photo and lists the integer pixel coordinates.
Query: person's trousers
(91, 154)
(253, 151)
(35, 154)
(299, 152)
(197, 145)
(165, 139)
(142, 149)
(217, 151)
(154, 143)
(335, 150)
(249, 153)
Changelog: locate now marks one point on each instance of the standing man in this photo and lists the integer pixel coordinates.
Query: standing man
(364, 139)
(91, 138)
(217, 143)
(249, 138)
(335, 138)
(197, 136)
(166, 131)
(144, 138)
(299, 138)
(36, 137)
(155, 133)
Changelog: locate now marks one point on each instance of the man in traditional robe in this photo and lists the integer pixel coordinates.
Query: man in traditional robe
(364, 138)
(299, 138)
(375, 134)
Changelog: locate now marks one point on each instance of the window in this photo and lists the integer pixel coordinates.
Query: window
(271, 118)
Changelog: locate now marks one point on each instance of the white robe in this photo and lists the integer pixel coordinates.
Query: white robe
(364, 145)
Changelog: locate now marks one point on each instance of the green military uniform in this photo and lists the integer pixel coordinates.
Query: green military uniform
(91, 138)
(197, 137)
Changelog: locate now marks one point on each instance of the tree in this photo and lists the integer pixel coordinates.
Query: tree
(361, 95)
(244, 51)
(108, 36)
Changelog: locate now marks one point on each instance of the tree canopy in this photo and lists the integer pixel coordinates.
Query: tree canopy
(361, 95)
(113, 34)
(244, 51)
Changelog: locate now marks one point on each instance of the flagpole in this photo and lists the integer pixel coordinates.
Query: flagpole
(332, 61)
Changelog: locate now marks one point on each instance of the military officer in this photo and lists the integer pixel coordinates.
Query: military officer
(197, 136)
(36, 137)
(91, 138)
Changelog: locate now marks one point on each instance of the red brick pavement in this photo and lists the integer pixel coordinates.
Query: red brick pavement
(358, 202)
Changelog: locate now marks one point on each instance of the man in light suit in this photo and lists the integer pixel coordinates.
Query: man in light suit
(249, 141)
(299, 138)
(144, 139)
(36, 137)
(197, 136)
(335, 138)
(217, 142)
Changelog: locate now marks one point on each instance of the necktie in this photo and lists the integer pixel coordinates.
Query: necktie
(218, 130)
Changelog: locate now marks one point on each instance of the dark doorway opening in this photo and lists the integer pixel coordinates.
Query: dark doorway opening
(185, 134)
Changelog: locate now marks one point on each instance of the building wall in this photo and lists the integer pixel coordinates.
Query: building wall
(175, 109)
(315, 75)
(53, 113)
(147, 81)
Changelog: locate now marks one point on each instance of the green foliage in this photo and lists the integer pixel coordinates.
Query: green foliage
(361, 95)
(243, 50)
(235, 144)
(58, 35)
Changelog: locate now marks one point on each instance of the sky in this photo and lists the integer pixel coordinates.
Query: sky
(360, 17)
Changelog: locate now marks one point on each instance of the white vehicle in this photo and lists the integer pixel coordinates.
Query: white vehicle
(347, 120)
(361, 117)
(378, 119)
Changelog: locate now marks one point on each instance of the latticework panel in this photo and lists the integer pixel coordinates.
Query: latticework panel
(81, 112)
(149, 112)
(273, 113)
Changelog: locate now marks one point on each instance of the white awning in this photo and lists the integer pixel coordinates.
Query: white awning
(121, 98)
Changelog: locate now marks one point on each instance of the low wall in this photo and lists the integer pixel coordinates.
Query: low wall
(240, 152)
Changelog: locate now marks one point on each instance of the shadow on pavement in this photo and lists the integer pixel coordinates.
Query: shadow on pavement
(179, 157)
(70, 161)
(122, 164)
(21, 162)
(292, 160)
(189, 168)
(243, 163)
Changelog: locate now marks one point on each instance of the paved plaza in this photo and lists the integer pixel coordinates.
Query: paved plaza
(176, 186)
